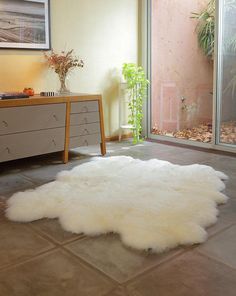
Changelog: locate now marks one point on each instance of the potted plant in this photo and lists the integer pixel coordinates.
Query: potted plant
(137, 88)
(63, 63)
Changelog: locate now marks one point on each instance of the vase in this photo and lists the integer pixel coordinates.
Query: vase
(63, 87)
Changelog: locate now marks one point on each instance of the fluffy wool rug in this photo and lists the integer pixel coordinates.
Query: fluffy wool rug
(151, 204)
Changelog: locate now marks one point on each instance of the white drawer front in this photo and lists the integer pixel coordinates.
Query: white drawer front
(85, 129)
(29, 118)
(84, 118)
(31, 143)
(85, 140)
(84, 107)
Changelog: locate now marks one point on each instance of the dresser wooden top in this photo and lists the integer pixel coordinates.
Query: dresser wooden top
(41, 100)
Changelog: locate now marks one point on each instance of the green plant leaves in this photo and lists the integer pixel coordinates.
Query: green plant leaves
(137, 87)
(206, 28)
(206, 34)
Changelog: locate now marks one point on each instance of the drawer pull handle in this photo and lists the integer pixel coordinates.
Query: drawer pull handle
(86, 132)
(5, 123)
(55, 117)
(86, 142)
(85, 109)
(8, 150)
(54, 142)
(85, 120)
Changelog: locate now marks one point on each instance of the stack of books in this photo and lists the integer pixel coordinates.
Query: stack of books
(13, 95)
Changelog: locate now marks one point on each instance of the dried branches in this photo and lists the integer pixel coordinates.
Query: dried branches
(63, 62)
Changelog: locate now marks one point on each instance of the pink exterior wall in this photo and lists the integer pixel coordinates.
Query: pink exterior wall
(179, 68)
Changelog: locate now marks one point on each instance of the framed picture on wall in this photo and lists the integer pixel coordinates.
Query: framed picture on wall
(25, 24)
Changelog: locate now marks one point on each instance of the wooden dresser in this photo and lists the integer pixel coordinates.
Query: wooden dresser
(40, 125)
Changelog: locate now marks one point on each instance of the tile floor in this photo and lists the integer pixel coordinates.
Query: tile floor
(39, 259)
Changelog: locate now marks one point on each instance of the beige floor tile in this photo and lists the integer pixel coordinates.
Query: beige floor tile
(52, 229)
(227, 217)
(189, 274)
(119, 291)
(222, 163)
(222, 224)
(222, 247)
(54, 274)
(18, 243)
(49, 171)
(44, 174)
(109, 255)
(12, 183)
(228, 211)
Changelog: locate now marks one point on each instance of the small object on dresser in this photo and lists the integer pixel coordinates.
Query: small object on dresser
(29, 91)
(48, 93)
(13, 95)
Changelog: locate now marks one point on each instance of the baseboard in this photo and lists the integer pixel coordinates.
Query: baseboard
(116, 138)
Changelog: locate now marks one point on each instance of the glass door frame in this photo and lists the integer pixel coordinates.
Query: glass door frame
(146, 62)
(218, 80)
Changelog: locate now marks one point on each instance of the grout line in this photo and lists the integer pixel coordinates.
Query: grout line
(26, 178)
(146, 270)
(192, 248)
(84, 262)
(215, 260)
(51, 239)
(79, 238)
(52, 247)
(8, 194)
(19, 263)
(42, 234)
(67, 243)
(113, 290)
(149, 270)
(37, 183)
(220, 231)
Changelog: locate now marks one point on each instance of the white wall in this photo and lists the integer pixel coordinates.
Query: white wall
(104, 33)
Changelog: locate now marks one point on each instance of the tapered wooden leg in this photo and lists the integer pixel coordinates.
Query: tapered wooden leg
(65, 156)
(67, 133)
(103, 143)
(120, 134)
(103, 148)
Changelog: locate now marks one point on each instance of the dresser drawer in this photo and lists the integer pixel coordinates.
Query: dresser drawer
(84, 118)
(31, 143)
(84, 107)
(29, 118)
(85, 129)
(85, 140)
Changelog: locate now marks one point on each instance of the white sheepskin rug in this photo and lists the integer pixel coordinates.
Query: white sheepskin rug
(151, 204)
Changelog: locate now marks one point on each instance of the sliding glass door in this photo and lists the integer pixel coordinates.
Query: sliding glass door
(181, 73)
(192, 68)
(226, 88)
